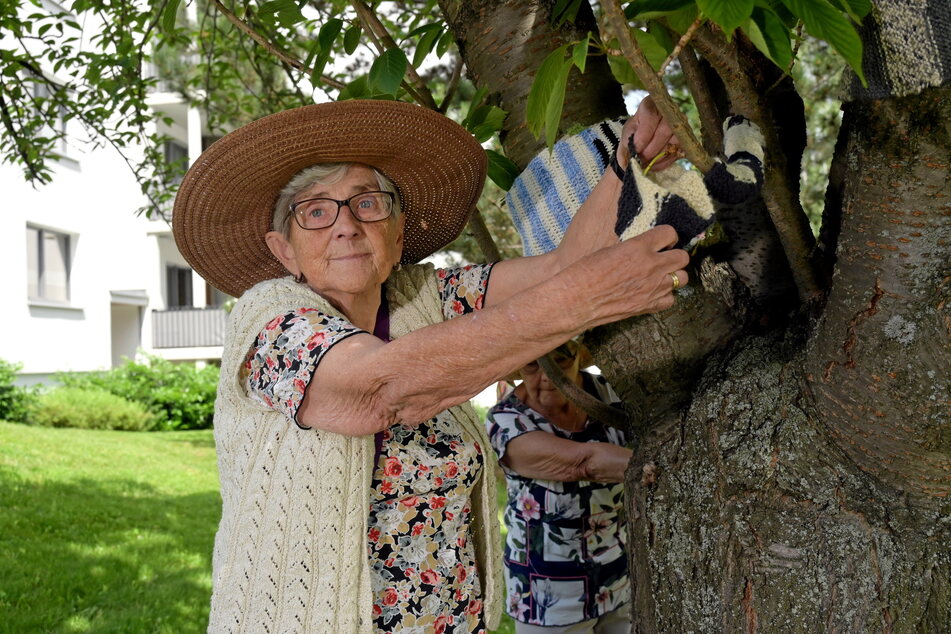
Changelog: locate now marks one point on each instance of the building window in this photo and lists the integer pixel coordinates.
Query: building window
(176, 158)
(178, 285)
(48, 264)
(45, 103)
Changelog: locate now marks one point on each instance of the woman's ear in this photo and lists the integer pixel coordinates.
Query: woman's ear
(282, 250)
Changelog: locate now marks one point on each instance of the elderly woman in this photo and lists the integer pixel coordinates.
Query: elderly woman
(565, 559)
(355, 494)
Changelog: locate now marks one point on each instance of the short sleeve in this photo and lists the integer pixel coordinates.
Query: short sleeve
(505, 421)
(463, 289)
(285, 354)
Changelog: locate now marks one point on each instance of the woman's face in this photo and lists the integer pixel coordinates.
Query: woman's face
(542, 389)
(350, 257)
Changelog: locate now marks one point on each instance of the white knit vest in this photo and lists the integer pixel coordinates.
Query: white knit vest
(291, 551)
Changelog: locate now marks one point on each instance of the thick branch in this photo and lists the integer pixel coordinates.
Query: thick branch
(590, 405)
(614, 25)
(711, 131)
(784, 207)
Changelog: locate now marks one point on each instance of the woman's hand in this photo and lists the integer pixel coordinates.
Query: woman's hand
(630, 278)
(652, 135)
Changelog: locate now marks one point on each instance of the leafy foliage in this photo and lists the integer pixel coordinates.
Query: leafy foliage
(180, 396)
(14, 400)
(89, 409)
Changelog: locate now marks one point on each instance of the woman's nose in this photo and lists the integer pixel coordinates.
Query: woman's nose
(346, 224)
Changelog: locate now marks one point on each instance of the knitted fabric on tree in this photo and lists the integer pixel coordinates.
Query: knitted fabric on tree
(548, 193)
(907, 49)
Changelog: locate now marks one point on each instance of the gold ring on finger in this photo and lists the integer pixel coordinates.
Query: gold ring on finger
(674, 277)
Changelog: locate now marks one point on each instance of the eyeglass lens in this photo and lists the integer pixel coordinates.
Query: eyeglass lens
(318, 213)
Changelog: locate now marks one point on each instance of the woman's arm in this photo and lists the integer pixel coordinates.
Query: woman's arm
(363, 385)
(543, 456)
(592, 227)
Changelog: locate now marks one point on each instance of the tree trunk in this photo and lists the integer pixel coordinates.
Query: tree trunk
(505, 41)
(805, 488)
(796, 480)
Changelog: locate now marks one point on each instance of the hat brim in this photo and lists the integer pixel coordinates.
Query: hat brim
(224, 205)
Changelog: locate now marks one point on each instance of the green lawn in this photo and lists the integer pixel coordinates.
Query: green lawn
(105, 531)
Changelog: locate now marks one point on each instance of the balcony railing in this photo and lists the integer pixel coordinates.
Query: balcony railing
(188, 327)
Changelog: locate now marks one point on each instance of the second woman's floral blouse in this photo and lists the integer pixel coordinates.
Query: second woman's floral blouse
(422, 563)
(565, 559)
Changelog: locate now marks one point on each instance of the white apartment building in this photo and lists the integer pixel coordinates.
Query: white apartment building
(86, 282)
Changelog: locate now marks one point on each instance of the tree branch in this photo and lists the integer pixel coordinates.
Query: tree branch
(681, 43)
(452, 86)
(615, 25)
(415, 84)
(785, 209)
(710, 129)
(483, 237)
(268, 46)
(18, 142)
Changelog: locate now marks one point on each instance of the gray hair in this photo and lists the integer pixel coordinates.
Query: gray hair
(322, 174)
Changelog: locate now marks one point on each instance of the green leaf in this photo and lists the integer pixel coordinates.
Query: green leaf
(579, 53)
(359, 88)
(652, 9)
(283, 12)
(430, 33)
(502, 171)
(623, 72)
(351, 39)
(485, 122)
(325, 39)
(857, 9)
(771, 36)
(387, 71)
(662, 36)
(474, 104)
(564, 11)
(823, 21)
(729, 14)
(556, 104)
(169, 14)
(682, 20)
(655, 53)
(444, 43)
(540, 94)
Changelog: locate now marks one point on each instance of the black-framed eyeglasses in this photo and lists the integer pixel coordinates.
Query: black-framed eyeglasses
(320, 213)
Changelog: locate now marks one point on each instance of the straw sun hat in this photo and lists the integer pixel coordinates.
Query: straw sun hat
(225, 202)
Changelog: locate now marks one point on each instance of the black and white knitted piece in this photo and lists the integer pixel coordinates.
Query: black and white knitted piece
(907, 49)
(683, 198)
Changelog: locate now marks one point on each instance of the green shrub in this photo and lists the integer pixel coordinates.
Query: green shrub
(89, 409)
(14, 401)
(179, 395)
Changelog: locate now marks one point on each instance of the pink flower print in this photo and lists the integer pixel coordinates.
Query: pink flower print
(442, 274)
(439, 625)
(392, 467)
(374, 534)
(529, 506)
(430, 577)
(461, 573)
(417, 529)
(457, 307)
(274, 323)
(316, 339)
(304, 311)
(478, 302)
(411, 501)
(474, 607)
(386, 487)
(437, 502)
(299, 386)
(389, 596)
(451, 469)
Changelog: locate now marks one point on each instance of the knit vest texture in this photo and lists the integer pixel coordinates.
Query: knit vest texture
(291, 552)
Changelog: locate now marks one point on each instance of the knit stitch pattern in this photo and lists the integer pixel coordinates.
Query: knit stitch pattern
(907, 48)
(291, 549)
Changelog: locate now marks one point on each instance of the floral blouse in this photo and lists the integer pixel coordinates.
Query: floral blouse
(565, 559)
(422, 563)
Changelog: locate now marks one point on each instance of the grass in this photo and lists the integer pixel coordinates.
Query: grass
(104, 531)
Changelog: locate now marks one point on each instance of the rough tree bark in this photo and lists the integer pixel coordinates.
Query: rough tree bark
(797, 479)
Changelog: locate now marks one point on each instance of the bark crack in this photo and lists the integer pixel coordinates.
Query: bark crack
(849, 343)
